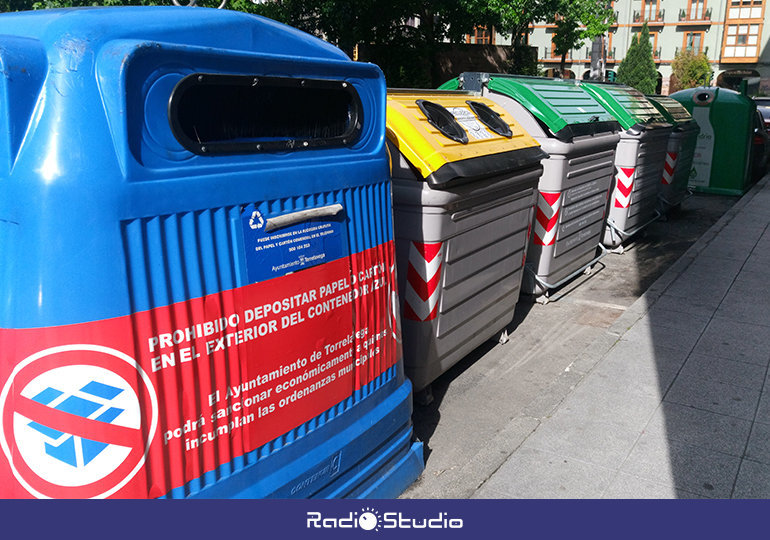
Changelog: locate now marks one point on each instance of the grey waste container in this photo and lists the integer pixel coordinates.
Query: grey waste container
(679, 154)
(465, 177)
(638, 162)
(580, 137)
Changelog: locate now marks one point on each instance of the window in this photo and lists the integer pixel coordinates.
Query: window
(745, 9)
(653, 42)
(649, 9)
(696, 9)
(551, 53)
(694, 41)
(610, 48)
(481, 36)
(741, 40)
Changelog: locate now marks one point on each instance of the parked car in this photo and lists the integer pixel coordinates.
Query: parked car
(760, 147)
(764, 110)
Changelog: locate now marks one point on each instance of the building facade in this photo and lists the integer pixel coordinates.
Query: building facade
(733, 34)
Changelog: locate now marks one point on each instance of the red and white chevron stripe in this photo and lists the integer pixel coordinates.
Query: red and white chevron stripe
(624, 185)
(547, 217)
(394, 319)
(668, 168)
(422, 281)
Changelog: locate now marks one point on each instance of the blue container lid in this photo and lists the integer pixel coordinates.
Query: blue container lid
(77, 30)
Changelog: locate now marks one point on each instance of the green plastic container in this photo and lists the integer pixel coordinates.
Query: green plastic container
(721, 163)
(679, 155)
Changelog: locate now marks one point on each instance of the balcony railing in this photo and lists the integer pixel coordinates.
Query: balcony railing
(610, 53)
(640, 17)
(685, 16)
(680, 49)
(549, 54)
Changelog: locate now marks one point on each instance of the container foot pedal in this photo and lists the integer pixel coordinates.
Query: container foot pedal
(586, 270)
(625, 235)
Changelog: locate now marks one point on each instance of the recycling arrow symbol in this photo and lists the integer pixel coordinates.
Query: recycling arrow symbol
(256, 221)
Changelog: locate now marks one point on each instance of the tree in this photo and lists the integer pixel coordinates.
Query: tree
(638, 67)
(690, 70)
(523, 61)
(384, 24)
(513, 17)
(378, 23)
(345, 23)
(24, 5)
(576, 21)
(15, 5)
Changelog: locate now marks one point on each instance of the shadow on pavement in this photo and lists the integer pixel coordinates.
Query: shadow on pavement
(710, 338)
(426, 417)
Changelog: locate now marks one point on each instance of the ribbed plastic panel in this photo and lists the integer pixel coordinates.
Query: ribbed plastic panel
(652, 154)
(684, 163)
(672, 109)
(194, 254)
(627, 104)
(635, 104)
(483, 266)
(570, 102)
(589, 178)
(583, 178)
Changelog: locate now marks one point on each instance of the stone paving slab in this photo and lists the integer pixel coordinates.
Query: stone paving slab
(694, 469)
(753, 481)
(678, 403)
(627, 486)
(536, 474)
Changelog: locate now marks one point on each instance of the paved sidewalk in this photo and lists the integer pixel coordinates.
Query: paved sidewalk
(673, 400)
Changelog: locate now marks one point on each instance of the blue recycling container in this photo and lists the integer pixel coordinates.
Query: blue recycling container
(197, 280)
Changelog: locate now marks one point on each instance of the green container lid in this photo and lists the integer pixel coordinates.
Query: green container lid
(451, 84)
(673, 111)
(564, 107)
(627, 104)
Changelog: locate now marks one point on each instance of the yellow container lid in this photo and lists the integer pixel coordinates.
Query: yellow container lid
(450, 135)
